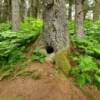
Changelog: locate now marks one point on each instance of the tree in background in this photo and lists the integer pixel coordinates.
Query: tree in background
(79, 18)
(15, 15)
(96, 11)
(70, 9)
(5, 9)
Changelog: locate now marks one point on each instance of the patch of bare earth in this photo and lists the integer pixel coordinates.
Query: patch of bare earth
(45, 88)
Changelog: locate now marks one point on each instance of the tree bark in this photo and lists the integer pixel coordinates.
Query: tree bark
(15, 15)
(70, 10)
(79, 18)
(33, 8)
(55, 35)
(96, 11)
(1, 10)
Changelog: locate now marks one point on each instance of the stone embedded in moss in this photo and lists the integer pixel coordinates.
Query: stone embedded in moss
(62, 61)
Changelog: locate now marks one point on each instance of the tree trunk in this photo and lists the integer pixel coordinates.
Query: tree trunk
(55, 36)
(86, 8)
(22, 9)
(96, 11)
(40, 9)
(33, 8)
(79, 18)
(26, 9)
(1, 10)
(70, 9)
(15, 15)
(7, 10)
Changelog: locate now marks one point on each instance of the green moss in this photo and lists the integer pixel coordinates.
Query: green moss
(62, 62)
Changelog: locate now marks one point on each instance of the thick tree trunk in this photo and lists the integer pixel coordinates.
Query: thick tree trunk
(15, 15)
(79, 18)
(55, 36)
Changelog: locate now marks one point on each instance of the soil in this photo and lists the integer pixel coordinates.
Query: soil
(48, 87)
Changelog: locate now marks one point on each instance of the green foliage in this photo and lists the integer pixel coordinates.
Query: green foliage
(13, 44)
(87, 45)
(90, 44)
(14, 71)
(86, 71)
(71, 27)
(31, 25)
(4, 27)
(92, 30)
(38, 56)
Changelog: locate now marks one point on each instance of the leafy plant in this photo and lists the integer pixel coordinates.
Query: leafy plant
(90, 43)
(38, 56)
(31, 25)
(86, 71)
(4, 27)
(13, 44)
(87, 46)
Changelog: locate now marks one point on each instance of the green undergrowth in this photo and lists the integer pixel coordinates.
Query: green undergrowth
(86, 54)
(38, 56)
(13, 45)
(19, 71)
(86, 71)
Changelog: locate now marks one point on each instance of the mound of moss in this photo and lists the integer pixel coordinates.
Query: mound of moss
(62, 62)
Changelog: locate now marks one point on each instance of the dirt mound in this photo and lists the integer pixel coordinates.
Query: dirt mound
(46, 88)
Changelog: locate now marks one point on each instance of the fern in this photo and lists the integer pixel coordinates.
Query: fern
(38, 56)
(86, 72)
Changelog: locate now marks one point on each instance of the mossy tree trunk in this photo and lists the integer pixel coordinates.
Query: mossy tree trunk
(55, 35)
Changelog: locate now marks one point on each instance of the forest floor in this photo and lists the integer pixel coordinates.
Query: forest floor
(48, 87)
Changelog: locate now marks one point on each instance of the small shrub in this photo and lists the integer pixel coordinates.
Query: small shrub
(4, 27)
(31, 25)
(87, 46)
(38, 56)
(13, 44)
(86, 71)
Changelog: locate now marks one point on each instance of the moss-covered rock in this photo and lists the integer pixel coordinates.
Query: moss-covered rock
(62, 61)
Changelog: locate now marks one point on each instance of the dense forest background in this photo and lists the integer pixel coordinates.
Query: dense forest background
(65, 33)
